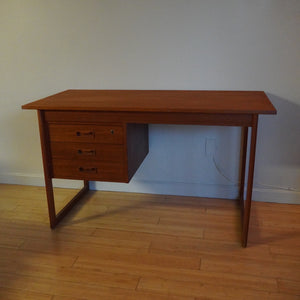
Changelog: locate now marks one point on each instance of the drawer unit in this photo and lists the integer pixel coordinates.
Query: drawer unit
(88, 151)
(96, 151)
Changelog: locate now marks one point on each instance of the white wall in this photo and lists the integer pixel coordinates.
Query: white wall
(50, 46)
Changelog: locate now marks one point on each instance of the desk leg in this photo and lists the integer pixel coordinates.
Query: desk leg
(56, 218)
(62, 213)
(247, 207)
(53, 217)
(243, 166)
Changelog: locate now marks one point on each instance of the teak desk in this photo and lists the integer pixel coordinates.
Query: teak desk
(103, 134)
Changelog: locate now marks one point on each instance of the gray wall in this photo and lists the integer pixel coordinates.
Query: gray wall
(50, 46)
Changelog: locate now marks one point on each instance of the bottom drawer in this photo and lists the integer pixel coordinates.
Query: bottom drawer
(85, 170)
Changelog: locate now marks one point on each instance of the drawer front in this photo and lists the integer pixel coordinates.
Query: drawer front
(88, 151)
(87, 170)
(110, 134)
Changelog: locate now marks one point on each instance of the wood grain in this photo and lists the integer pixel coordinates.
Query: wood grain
(135, 246)
(109, 134)
(150, 117)
(253, 102)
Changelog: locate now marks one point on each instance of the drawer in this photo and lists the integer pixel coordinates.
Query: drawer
(87, 170)
(110, 134)
(88, 151)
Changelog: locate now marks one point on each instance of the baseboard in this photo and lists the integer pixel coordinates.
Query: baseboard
(171, 188)
(22, 179)
(166, 188)
(276, 195)
(37, 180)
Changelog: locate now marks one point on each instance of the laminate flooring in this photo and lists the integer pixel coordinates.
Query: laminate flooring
(117, 245)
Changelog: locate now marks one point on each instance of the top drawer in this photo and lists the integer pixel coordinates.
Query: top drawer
(110, 134)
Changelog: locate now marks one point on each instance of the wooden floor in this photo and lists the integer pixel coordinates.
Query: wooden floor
(138, 246)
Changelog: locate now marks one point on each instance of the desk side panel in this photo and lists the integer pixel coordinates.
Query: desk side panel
(137, 146)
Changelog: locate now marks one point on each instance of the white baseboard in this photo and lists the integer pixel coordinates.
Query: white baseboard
(22, 179)
(37, 180)
(276, 195)
(171, 188)
(166, 188)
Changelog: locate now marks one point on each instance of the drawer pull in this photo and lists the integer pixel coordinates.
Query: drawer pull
(85, 133)
(112, 131)
(89, 152)
(87, 170)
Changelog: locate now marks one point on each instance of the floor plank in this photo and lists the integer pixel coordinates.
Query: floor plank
(18, 294)
(196, 288)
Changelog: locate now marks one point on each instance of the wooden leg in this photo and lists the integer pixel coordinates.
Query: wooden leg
(56, 218)
(63, 212)
(247, 208)
(53, 217)
(243, 167)
(50, 201)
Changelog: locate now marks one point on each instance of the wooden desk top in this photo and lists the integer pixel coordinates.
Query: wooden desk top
(207, 102)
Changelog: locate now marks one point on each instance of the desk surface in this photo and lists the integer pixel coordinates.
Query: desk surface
(207, 102)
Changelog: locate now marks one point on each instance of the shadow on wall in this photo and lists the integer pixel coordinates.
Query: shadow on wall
(215, 174)
(278, 148)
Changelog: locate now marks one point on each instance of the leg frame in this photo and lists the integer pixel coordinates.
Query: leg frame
(245, 206)
(54, 217)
